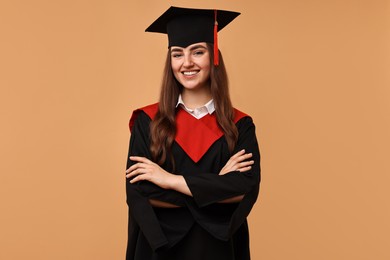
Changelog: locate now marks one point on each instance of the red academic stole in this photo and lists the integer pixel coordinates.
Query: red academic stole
(195, 136)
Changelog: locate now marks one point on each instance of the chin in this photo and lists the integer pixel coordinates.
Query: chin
(191, 86)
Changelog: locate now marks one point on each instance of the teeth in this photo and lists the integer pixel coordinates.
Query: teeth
(189, 73)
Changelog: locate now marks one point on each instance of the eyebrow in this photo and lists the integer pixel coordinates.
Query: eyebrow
(191, 49)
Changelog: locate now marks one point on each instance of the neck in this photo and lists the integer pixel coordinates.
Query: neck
(194, 99)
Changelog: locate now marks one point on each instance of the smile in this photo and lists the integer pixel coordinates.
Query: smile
(190, 73)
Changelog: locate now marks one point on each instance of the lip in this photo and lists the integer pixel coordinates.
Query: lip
(190, 73)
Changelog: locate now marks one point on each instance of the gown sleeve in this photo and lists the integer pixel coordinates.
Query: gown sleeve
(139, 146)
(222, 220)
(141, 212)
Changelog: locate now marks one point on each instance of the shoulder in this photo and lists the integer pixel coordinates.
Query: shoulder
(243, 121)
(238, 115)
(146, 112)
(150, 110)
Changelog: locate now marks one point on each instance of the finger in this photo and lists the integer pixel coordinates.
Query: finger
(136, 166)
(132, 168)
(244, 157)
(238, 154)
(235, 158)
(136, 172)
(138, 178)
(227, 165)
(241, 158)
(238, 165)
(245, 169)
(245, 164)
(140, 159)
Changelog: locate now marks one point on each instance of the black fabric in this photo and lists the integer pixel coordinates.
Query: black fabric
(154, 233)
(197, 245)
(186, 26)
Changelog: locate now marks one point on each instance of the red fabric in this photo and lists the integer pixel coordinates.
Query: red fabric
(238, 115)
(195, 136)
(216, 55)
(150, 110)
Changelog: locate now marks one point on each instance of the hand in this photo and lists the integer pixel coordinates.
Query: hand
(146, 170)
(238, 163)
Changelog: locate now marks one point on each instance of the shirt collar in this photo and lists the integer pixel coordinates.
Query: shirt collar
(210, 107)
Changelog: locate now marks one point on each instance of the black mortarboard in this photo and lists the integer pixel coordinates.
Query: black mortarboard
(186, 26)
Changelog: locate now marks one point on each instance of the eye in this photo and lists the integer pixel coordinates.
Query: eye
(176, 55)
(198, 52)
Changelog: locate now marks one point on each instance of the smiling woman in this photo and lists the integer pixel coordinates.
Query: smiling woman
(193, 171)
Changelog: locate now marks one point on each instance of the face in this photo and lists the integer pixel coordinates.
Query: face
(191, 66)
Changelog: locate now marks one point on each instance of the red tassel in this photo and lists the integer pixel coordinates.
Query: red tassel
(216, 55)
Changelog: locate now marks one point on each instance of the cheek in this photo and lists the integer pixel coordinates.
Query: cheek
(175, 67)
(207, 75)
(206, 63)
(207, 68)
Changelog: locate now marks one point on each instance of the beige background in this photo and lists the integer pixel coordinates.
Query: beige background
(313, 74)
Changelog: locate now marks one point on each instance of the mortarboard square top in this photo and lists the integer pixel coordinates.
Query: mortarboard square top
(186, 26)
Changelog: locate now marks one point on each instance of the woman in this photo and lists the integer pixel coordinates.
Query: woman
(193, 172)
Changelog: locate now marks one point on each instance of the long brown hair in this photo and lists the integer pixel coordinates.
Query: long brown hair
(163, 127)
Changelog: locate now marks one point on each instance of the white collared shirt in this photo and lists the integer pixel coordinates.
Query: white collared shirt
(199, 112)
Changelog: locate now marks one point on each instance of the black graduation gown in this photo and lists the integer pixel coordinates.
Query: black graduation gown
(201, 228)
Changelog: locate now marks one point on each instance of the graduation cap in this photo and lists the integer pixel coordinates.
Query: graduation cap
(186, 26)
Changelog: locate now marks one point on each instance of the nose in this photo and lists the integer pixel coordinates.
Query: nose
(187, 61)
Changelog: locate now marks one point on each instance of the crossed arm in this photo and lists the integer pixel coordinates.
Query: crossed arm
(146, 170)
